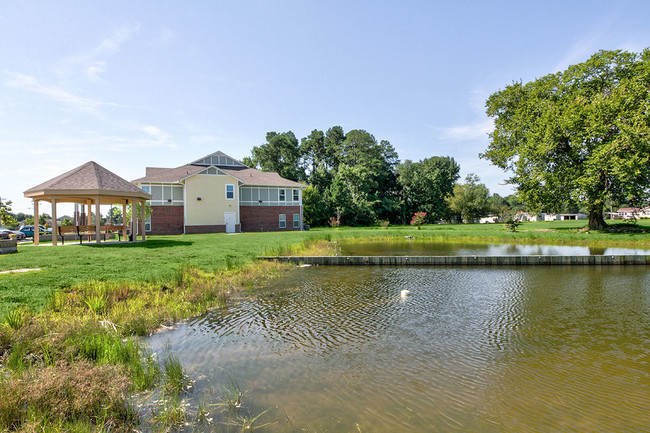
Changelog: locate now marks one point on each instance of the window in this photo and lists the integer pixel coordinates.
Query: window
(147, 224)
(296, 195)
(230, 192)
(283, 221)
(282, 195)
(296, 220)
(145, 188)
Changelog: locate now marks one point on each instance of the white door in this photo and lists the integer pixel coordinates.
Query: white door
(231, 220)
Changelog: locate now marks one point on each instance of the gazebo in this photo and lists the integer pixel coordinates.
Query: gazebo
(88, 184)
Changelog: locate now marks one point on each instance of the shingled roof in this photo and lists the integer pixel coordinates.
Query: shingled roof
(248, 176)
(89, 179)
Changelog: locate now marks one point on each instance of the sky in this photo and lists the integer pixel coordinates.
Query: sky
(131, 84)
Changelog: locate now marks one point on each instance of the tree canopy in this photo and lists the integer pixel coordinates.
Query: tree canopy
(577, 136)
(426, 185)
(470, 201)
(280, 153)
(354, 176)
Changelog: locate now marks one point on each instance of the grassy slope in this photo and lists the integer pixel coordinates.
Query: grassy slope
(158, 259)
(161, 257)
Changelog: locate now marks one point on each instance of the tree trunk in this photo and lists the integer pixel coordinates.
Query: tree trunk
(596, 220)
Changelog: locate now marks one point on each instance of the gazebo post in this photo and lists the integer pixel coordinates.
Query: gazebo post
(124, 220)
(98, 221)
(134, 235)
(36, 228)
(142, 220)
(54, 230)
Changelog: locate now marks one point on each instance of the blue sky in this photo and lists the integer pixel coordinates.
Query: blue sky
(142, 83)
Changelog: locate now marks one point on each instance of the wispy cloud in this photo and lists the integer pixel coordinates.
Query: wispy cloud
(32, 84)
(467, 132)
(578, 52)
(92, 63)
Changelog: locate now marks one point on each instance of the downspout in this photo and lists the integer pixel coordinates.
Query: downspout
(302, 221)
(239, 205)
(184, 206)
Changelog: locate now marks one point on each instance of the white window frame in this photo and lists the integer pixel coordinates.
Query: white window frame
(233, 191)
(282, 220)
(164, 199)
(296, 195)
(282, 194)
(296, 221)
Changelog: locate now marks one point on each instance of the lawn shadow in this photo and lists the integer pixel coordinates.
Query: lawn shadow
(149, 244)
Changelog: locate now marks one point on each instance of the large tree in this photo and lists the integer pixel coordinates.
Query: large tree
(471, 200)
(426, 184)
(280, 154)
(579, 135)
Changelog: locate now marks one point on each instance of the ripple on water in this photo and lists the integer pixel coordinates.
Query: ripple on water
(469, 350)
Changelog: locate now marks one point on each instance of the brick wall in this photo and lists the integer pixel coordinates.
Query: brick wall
(166, 220)
(208, 229)
(266, 218)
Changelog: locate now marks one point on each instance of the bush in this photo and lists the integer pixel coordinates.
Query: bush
(418, 219)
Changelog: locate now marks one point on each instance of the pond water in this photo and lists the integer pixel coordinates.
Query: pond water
(337, 349)
(401, 247)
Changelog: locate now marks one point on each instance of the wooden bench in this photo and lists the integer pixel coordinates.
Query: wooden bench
(89, 231)
(113, 229)
(67, 230)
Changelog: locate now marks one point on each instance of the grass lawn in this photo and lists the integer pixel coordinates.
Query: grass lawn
(157, 260)
(160, 258)
(552, 233)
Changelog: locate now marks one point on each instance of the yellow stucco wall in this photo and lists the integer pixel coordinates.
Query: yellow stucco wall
(212, 190)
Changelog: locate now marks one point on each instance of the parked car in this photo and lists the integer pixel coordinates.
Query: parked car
(6, 234)
(29, 230)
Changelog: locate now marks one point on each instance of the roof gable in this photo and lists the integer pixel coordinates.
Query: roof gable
(218, 159)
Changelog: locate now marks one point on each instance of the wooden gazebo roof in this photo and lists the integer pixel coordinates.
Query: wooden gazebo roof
(87, 181)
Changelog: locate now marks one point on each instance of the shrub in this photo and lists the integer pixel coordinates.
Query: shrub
(418, 219)
(512, 223)
(334, 222)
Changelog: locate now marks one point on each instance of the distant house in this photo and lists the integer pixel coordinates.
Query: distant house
(561, 216)
(628, 213)
(489, 219)
(571, 216)
(218, 194)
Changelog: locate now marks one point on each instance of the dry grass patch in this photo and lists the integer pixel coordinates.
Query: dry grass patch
(80, 392)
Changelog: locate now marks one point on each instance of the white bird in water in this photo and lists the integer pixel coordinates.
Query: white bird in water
(404, 293)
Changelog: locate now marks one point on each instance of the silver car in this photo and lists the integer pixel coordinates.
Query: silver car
(6, 234)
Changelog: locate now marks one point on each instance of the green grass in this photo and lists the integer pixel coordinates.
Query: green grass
(158, 260)
(161, 259)
(555, 232)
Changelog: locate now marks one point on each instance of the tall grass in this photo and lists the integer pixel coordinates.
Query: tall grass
(175, 378)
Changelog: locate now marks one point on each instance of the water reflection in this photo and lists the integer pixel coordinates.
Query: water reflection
(432, 248)
(469, 350)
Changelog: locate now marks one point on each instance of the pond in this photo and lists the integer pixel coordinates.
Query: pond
(416, 247)
(337, 349)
